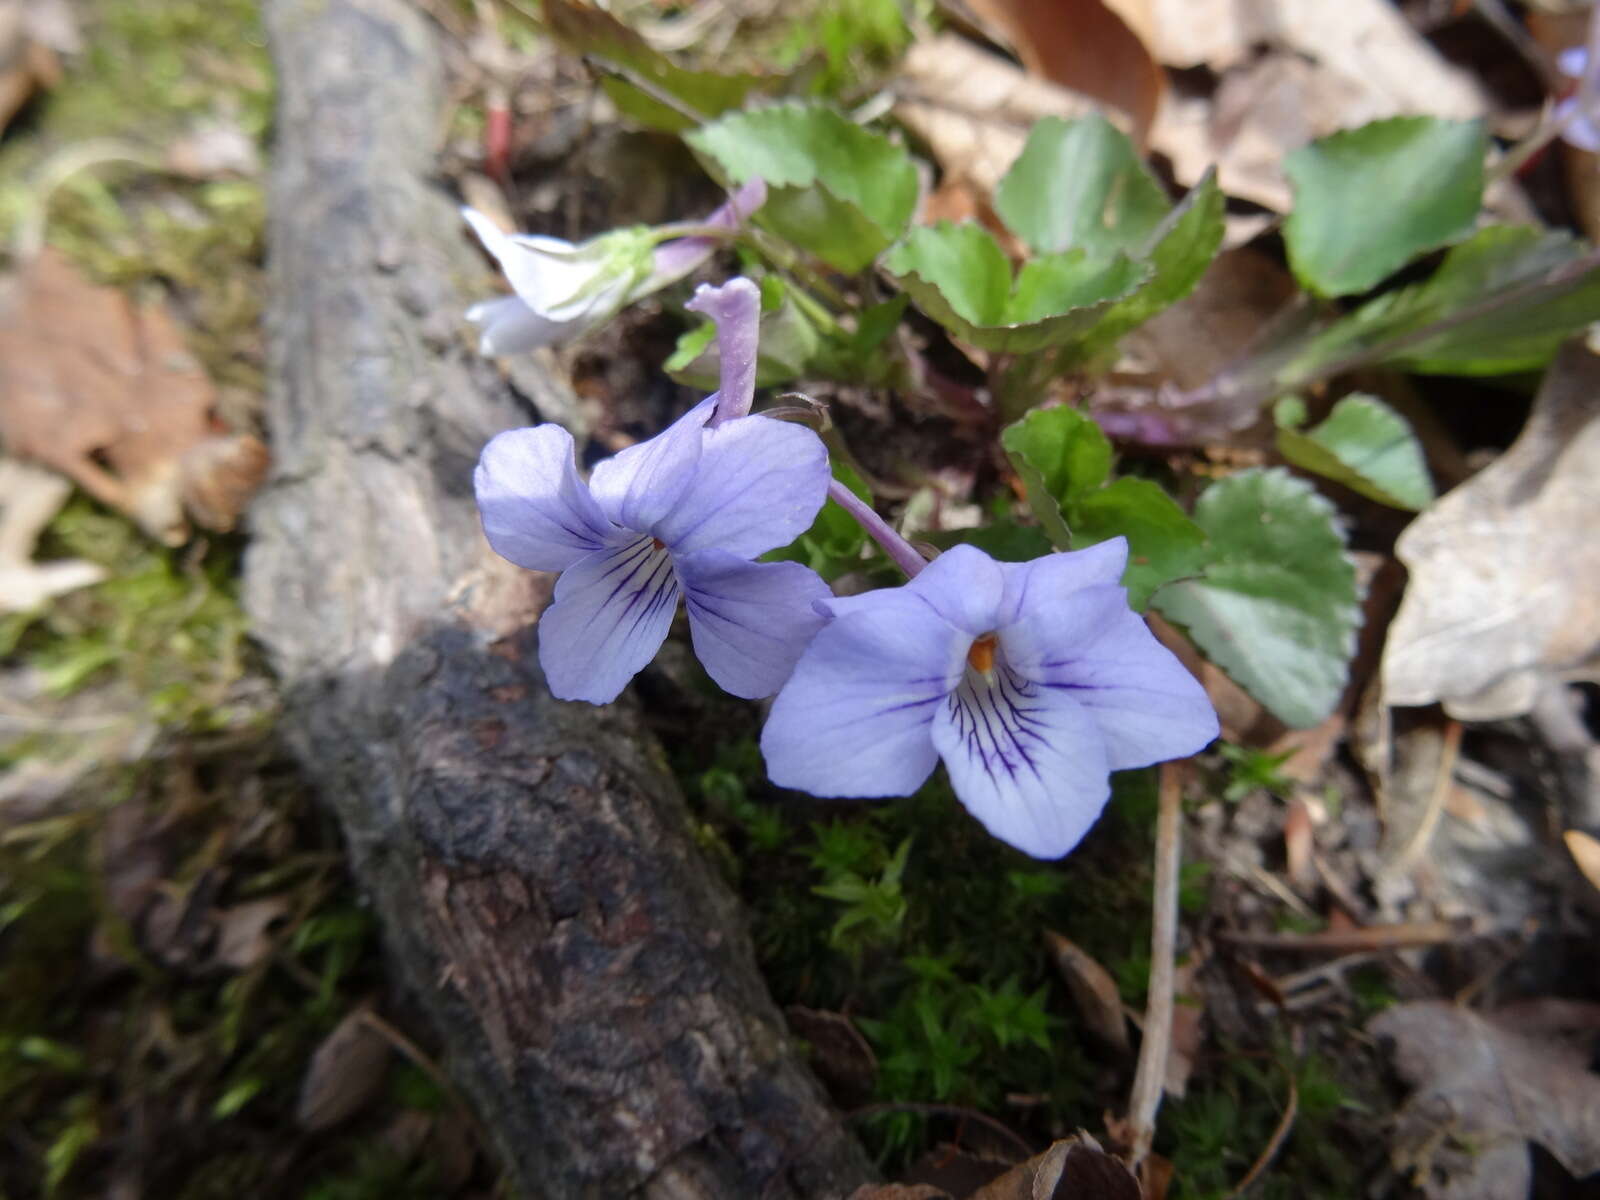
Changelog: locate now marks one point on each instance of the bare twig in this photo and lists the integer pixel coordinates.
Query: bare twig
(1150, 1076)
(1274, 1143)
(1349, 941)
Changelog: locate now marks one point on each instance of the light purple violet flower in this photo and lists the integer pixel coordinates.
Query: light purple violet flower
(682, 513)
(1032, 681)
(564, 289)
(1580, 112)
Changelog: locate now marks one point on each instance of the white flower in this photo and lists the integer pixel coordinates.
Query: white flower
(564, 289)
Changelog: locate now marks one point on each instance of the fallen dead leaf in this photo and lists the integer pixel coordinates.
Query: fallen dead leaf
(30, 497)
(841, 1058)
(106, 392)
(243, 937)
(899, 1191)
(1292, 71)
(1188, 1028)
(1505, 569)
(1072, 1169)
(1481, 1093)
(32, 34)
(1298, 843)
(973, 109)
(1093, 990)
(1094, 47)
(1585, 851)
(345, 1073)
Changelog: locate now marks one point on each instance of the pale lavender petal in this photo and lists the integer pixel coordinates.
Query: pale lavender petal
(675, 259)
(611, 613)
(749, 621)
(1580, 129)
(964, 585)
(1028, 763)
(535, 509)
(1055, 576)
(854, 718)
(758, 486)
(1572, 61)
(1090, 646)
(736, 309)
(640, 486)
(508, 326)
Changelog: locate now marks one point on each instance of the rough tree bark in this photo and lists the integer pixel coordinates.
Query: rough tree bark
(530, 861)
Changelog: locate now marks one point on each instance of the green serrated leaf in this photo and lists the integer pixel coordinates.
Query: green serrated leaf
(1369, 200)
(611, 45)
(1534, 289)
(1163, 543)
(1367, 446)
(835, 189)
(1178, 253)
(960, 277)
(1276, 606)
(1080, 185)
(1063, 450)
(1063, 459)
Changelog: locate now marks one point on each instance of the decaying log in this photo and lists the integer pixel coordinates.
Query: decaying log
(530, 861)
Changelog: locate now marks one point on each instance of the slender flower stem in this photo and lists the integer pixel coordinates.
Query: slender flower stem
(1149, 1079)
(896, 547)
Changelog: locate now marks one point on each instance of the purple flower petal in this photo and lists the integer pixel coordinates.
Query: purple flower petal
(1052, 578)
(1090, 646)
(675, 259)
(638, 487)
(964, 586)
(749, 621)
(611, 613)
(735, 307)
(535, 509)
(854, 718)
(508, 326)
(1028, 763)
(759, 485)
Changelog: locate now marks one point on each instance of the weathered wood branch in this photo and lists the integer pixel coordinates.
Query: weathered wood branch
(531, 861)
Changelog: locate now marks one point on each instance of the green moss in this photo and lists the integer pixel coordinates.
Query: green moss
(166, 625)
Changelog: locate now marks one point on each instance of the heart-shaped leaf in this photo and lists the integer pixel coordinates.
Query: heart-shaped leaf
(835, 189)
(1369, 200)
(1276, 606)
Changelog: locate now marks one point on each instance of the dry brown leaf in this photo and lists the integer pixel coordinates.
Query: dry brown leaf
(1298, 843)
(1072, 1169)
(841, 1058)
(344, 1074)
(243, 937)
(1093, 990)
(1325, 67)
(1585, 851)
(1505, 569)
(974, 108)
(899, 1191)
(1188, 1028)
(30, 497)
(32, 33)
(1093, 47)
(106, 392)
(1481, 1093)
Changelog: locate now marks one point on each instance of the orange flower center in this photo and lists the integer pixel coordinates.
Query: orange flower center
(980, 656)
